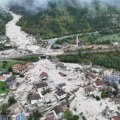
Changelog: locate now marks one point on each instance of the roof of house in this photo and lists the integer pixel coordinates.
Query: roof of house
(11, 78)
(99, 82)
(58, 109)
(19, 67)
(62, 84)
(60, 92)
(43, 74)
(91, 75)
(116, 117)
(90, 88)
(112, 78)
(2, 77)
(41, 85)
(28, 64)
(21, 116)
(52, 117)
(16, 65)
(63, 104)
(34, 96)
(61, 65)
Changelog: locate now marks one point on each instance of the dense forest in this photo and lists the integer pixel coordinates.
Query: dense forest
(4, 18)
(108, 60)
(64, 18)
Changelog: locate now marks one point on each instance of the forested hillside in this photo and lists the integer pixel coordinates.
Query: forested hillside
(63, 18)
(4, 18)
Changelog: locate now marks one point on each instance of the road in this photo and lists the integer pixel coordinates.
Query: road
(65, 53)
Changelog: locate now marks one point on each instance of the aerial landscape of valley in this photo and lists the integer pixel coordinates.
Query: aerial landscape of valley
(59, 60)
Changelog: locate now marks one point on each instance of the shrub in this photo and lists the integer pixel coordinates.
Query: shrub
(97, 98)
(11, 100)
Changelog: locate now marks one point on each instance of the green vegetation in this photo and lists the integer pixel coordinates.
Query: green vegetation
(113, 37)
(97, 98)
(6, 65)
(62, 18)
(105, 59)
(104, 94)
(3, 87)
(3, 47)
(111, 90)
(11, 100)
(46, 91)
(36, 115)
(4, 18)
(27, 59)
(4, 107)
(69, 115)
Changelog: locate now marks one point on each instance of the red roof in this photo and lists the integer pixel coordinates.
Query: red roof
(2, 77)
(28, 64)
(100, 82)
(43, 74)
(19, 67)
(116, 117)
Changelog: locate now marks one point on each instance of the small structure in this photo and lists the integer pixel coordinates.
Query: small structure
(116, 117)
(54, 59)
(50, 99)
(62, 74)
(35, 98)
(89, 89)
(58, 112)
(99, 85)
(11, 82)
(60, 94)
(60, 66)
(113, 79)
(62, 86)
(2, 78)
(50, 116)
(19, 68)
(91, 76)
(43, 76)
(40, 87)
(29, 65)
(21, 116)
(6, 74)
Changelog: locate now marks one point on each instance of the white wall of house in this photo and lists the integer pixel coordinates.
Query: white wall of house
(100, 86)
(41, 89)
(43, 78)
(58, 116)
(61, 97)
(36, 101)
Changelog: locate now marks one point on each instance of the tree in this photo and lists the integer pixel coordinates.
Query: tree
(97, 98)
(10, 69)
(75, 117)
(4, 108)
(69, 116)
(104, 94)
(4, 64)
(36, 115)
(11, 100)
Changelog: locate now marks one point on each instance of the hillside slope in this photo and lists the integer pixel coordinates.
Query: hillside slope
(4, 18)
(63, 18)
